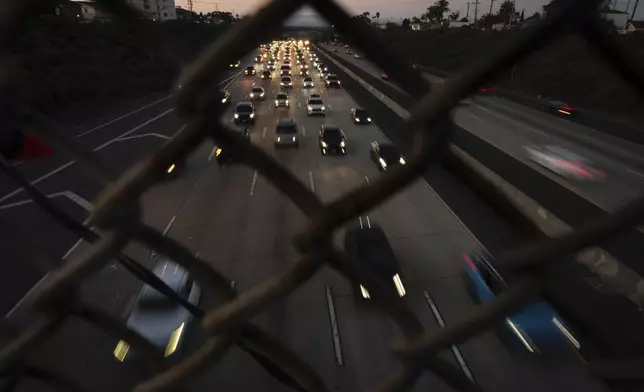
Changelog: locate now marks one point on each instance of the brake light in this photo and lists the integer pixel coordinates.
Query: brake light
(469, 261)
(566, 108)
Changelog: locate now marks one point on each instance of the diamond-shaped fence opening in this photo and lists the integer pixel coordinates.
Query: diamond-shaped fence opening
(117, 212)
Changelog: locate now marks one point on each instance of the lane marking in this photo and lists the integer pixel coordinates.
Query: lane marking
(638, 174)
(311, 181)
(252, 185)
(122, 117)
(264, 133)
(73, 248)
(82, 202)
(361, 225)
(455, 350)
(303, 131)
(367, 180)
(68, 164)
(153, 253)
(368, 222)
(335, 332)
(212, 153)
(299, 104)
(157, 135)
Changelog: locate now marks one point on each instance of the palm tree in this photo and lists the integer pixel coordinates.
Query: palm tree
(377, 17)
(454, 15)
(506, 10)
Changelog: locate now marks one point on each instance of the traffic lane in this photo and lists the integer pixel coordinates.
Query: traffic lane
(429, 241)
(609, 193)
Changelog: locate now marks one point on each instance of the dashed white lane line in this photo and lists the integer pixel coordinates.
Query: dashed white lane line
(311, 181)
(212, 153)
(441, 323)
(638, 174)
(335, 331)
(252, 185)
(157, 135)
(264, 133)
(82, 202)
(367, 180)
(153, 253)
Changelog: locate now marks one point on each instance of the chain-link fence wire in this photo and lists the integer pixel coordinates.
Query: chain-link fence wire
(117, 212)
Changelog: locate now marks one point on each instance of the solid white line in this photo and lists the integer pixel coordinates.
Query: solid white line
(252, 185)
(311, 181)
(73, 248)
(83, 203)
(264, 133)
(122, 139)
(367, 180)
(169, 226)
(640, 175)
(122, 117)
(455, 350)
(212, 153)
(337, 347)
(109, 142)
(44, 177)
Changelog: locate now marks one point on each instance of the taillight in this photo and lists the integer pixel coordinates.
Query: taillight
(469, 261)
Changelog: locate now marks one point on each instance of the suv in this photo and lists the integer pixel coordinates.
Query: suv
(281, 99)
(308, 82)
(315, 106)
(223, 156)
(286, 81)
(332, 81)
(250, 70)
(244, 113)
(267, 74)
(286, 133)
(360, 116)
(332, 140)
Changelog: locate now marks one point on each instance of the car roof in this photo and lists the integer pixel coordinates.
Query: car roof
(330, 127)
(285, 121)
(244, 103)
(249, 67)
(370, 246)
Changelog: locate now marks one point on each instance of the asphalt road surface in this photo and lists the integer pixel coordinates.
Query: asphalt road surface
(242, 225)
(510, 127)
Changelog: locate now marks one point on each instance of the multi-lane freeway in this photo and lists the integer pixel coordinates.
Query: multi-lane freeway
(242, 225)
(510, 127)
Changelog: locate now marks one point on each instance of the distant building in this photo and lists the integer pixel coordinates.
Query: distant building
(454, 24)
(94, 12)
(185, 14)
(158, 10)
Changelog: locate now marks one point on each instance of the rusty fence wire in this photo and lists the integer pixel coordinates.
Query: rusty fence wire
(117, 212)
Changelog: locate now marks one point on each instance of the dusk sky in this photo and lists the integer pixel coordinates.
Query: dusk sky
(389, 9)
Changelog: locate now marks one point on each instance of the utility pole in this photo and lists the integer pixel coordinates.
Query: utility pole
(491, 4)
(468, 11)
(190, 5)
(476, 11)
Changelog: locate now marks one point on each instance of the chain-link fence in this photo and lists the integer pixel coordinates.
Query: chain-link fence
(117, 212)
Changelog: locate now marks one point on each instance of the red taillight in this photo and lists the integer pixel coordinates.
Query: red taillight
(566, 108)
(469, 261)
(491, 89)
(575, 168)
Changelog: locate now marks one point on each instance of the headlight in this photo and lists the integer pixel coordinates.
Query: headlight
(382, 162)
(261, 95)
(279, 139)
(322, 108)
(399, 286)
(252, 115)
(276, 102)
(286, 102)
(324, 144)
(309, 107)
(342, 144)
(364, 292)
(339, 82)
(402, 161)
(236, 115)
(223, 100)
(369, 119)
(171, 168)
(294, 138)
(121, 350)
(218, 151)
(174, 340)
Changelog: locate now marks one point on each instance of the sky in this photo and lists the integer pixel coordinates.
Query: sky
(390, 10)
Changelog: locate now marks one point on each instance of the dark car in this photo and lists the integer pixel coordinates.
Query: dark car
(561, 108)
(384, 76)
(335, 50)
(369, 246)
(332, 140)
(225, 97)
(223, 157)
(244, 113)
(536, 328)
(386, 155)
(332, 81)
(235, 64)
(258, 59)
(250, 70)
(286, 134)
(360, 116)
(266, 75)
(257, 93)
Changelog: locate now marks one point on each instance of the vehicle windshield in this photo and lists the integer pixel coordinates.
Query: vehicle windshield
(373, 248)
(284, 129)
(308, 79)
(151, 299)
(249, 68)
(315, 102)
(244, 109)
(332, 77)
(361, 113)
(286, 67)
(389, 153)
(257, 90)
(333, 135)
(282, 96)
(286, 79)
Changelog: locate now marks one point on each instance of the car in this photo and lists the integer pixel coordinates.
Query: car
(386, 155)
(286, 134)
(225, 97)
(244, 112)
(223, 157)
(368, 246)
(360, 116)
(324, 74)
(304, 66)
(315, 106)
(332, 81)
(349, 51)
(258, 59)
(357, 56)
(307, 82)
(486, 90)
(281, 99)
(250, 70)
(257, 93)
(564, 162)
(236, 64)
(285, 70)
(271, 67)
(416, 66)
(561, 108)
(384, 76)
(332, 140)
(335, 50)
(536, 328)
(315, 95)
(323, 68)
(163, 322)
(286, 81)
(266, 74)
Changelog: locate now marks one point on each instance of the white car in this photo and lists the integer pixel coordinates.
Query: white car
(315, 106)
(286, 81)
(308, 82)
(257, 93)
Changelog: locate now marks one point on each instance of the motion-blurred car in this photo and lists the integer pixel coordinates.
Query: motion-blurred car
(225, 97)
(357, 56)
(332, 140)
(286, 81)
(486, 90)
(561, 108)
(324, 74)
(257, 93)
(250, 70)
(384, 76)
(244, 112)
(386, 155)
(536, 328)
(369, 246)
(332, 81)
(281, 99)
(349, 51)
(160, 320)
(258, 59)
(564, 163)
(223, 157)
(285, 70)
(315, 106)
(286, 134)
(236, 64)
(360, 116)
(308, 82)
(266, 75)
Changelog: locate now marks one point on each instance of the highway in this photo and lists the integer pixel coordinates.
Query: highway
(510, 127)
(239, 222)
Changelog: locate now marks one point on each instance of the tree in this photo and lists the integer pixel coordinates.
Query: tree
(435, 12)
(377, 17)
(363, 17)
(454, 16)
(406, 24)
(488, 20)
(415, 19)
(506, 10)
